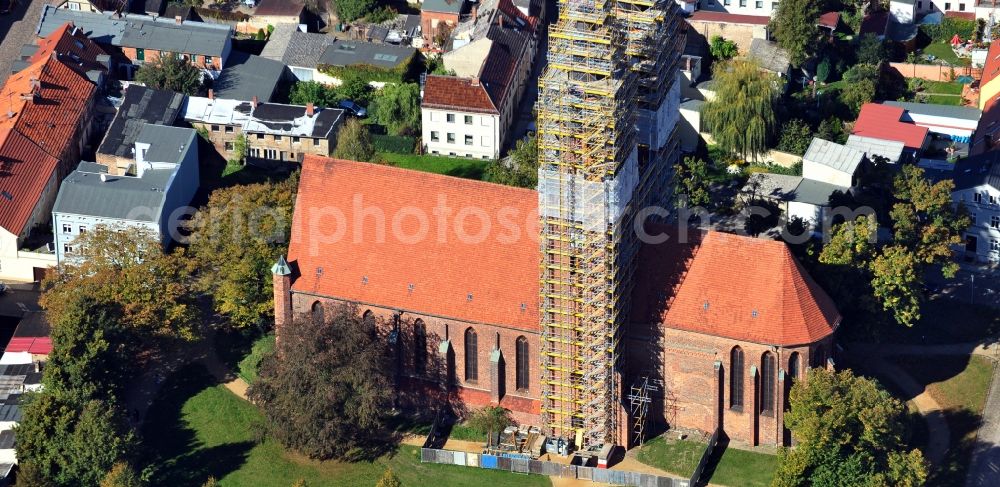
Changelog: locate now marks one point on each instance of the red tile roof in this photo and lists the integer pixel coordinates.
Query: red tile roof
(73, 47)
(36, 346)
(883, 122)
(496, 265)
(25, 169)
(753, 290)
(46, 102)
(961, 15)
(457, 93)
(992, 67)
(830, 20)
(726, 18)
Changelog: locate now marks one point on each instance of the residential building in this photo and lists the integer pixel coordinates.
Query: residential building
(76, 50)
(20, 371)
(739, 28)
(956, 123)
(275, 12)
(96, 6)
(989, 84)
(770, 57)
(151, 195)
(140, 106)
(471, 114)
(753, 8)
(904, 11)
(977, 187)
(891, 150)
(308, 55)
(438, 18)
(247, 76)
(141, 38)
(885, 122)
(273, 132)
(744, 319)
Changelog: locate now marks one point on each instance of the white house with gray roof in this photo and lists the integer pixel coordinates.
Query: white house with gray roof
(977, 187)
(891, 150)
(831, 163)
(151, 196)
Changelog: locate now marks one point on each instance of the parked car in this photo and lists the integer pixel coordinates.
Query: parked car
(354, 108)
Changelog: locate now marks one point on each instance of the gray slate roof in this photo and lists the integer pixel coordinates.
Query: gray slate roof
(949, 111)
(772, 186)
(890, 149)
(351, 52)
(140, 31)
(140, 106)
(834, 155)
(816, 192)
(247, 76)
(978, 170)
(83, 192)
(445, 6)
(769, 55)
(295, 48)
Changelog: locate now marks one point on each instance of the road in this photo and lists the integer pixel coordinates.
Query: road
(17, 28)
(975, 284)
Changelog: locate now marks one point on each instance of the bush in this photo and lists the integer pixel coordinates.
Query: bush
(251, 363)
(382, 14)
(796, 135)
(396, 144)
(489, 418)
(948, 28)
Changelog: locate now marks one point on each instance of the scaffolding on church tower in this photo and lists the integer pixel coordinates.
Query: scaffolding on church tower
(587, 172)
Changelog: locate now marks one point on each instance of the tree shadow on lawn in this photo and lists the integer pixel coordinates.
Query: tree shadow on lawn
(172, 450)
(467, 171)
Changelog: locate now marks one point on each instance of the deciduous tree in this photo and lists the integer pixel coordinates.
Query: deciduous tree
(351, 10)
(122, 475)
(741, 116)
(389, 479)
(722, 49)
(924, 220)
(236, 238)
(397, 107)
(871, 50)
(794, 27)
(320, 95)
(849, 431)
(691, 182)
(521, 169)
(170, 72)
(327, 389)
(796, 135)
(354, 142)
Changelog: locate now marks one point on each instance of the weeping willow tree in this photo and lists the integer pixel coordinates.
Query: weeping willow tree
(741, 116)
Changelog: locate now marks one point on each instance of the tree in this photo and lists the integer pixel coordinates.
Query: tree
(126, 268)
(121, 475)
(239, 149)
(832, 129)
(823, 71)
(354, 142)
(896, 281)
(796, 135)
(924, 220)
(850, 431)
(328, 387)
(351, 10)
(354, 88)
(741, 115)
(722, 49)
(691, 182)
(489, 419)
(521, 167)
(794, 27)
(871, 50)
(28, 475)
(172, 73)
(71, 444)
(858, 93)
(397, 107)
(236, 238)
(389, 479)
(305, 92)
(210, 482)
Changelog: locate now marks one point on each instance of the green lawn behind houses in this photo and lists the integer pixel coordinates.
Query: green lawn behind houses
(727, 466)
(449, 166)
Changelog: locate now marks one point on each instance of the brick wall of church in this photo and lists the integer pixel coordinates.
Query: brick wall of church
(494, 385)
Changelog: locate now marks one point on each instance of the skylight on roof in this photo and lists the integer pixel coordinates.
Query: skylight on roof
(386, 57)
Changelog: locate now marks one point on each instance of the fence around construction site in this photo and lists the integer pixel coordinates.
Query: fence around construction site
(551, 469)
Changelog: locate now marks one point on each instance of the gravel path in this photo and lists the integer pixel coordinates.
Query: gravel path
(17, 28)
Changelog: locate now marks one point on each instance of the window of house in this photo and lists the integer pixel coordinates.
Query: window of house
(774, 5)
(230, 129)
(995, 221)
(920, 5)
(229, 147)
(451, 118)
(767, 379)
(726, 2)
(295, 140)
(208, 60)
(82, 229)
(468, 140)
(316, 141)
(317, 312)
(260, 136)
(743, 3)
(67, 248)
(736, 378)
(215, 128)
(67, 228)
(993, 200)
(435, 136)
(994, 244)
(760, 4)
(471, 356)
(793, 366)
(277, 138)
(521, 364)
(368, 320)
(972, 216)
(419, 347)
(451, 138)
(947, 6)
(468, 119)
(961, 7)
(140, 54)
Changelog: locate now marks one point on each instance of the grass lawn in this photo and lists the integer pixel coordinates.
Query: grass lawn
(942, 92)
(198, 429)
(679, 457)
(450, 166)
(959, 384)
(728, 466)
(942, 50)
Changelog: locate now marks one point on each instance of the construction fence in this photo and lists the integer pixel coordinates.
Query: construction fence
(551, 469)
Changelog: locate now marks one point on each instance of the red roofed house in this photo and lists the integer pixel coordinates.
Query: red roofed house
(45, 121)
(883, 122)
(470, 114)
(727, 323)
(72, 46)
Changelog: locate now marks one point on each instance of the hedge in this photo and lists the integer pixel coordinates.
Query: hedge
(396, 144)
(949, 26)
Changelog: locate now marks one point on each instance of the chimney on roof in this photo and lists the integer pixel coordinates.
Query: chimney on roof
(500, 20)
(104, 177)
(310, 110)
(475, 81)
(254, 101)
(179, 19)
(38, 366)
(211, 94)
(475, 10)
